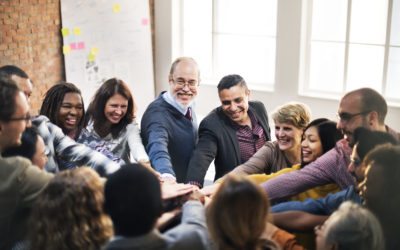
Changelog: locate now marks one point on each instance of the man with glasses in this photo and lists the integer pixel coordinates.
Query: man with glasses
(359, 108)
(20, 182)
(315, 211)
(169, 124)
(231, 133)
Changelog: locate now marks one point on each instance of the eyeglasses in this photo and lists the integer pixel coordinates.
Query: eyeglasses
(192, 84)
(347, 116)
(26, 118)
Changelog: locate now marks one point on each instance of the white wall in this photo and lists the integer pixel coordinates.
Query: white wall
(288, 59)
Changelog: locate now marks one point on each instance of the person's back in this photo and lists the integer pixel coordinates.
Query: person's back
(134, 213)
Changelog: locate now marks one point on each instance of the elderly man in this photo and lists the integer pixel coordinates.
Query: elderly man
(231, 133)
(359, 108)
(169, 125)
(21, 182)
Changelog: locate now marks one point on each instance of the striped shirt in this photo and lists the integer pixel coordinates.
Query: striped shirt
(250, 139)
(329, 168)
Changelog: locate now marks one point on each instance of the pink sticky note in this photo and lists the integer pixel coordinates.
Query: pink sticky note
(81, 45)
(145, 21)
(73, 46)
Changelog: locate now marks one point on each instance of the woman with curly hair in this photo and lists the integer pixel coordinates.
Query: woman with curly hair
(69, 213)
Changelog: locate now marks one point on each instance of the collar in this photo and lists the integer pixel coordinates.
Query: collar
(171, 100)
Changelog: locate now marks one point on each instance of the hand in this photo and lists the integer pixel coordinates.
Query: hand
(210, 190)
(171, 190)
(167, 217)
(197, 196)
(270, 230)
(168, 178)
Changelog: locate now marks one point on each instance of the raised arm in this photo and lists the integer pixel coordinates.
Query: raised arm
(155, 134)
(203, 155)
(69, 150)
(135, 143)
(329, 168)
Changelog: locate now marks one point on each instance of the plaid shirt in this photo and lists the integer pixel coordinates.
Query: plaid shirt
(61, 147)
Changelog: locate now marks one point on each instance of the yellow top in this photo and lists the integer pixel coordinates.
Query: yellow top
(313, 193)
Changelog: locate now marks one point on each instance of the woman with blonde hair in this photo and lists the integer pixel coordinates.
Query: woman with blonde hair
(290, 121)
(69, 213)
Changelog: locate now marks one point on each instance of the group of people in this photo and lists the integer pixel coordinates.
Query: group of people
(332, 176)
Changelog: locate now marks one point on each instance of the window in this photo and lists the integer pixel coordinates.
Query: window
(351, 44)
(231, 37)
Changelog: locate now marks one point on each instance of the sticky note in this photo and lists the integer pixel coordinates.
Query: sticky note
(145, 21)
(91, 57)
(73, 46)
(116, 7)
(81, 45)
(77, 31)
(65, 31)
(94, 50)
(66, 49)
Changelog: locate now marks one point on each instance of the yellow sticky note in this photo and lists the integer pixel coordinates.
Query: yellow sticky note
(65, 31)
(94, 50)
(77, 31)
(91, 57)
(66, 49)
(116, 7)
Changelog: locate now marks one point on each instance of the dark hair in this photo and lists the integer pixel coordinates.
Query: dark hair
(366, 140)
(95, 110)
(371, 100)
(133, 200)
(327, 132)
(229, 81)
(11, 70)
(53, 100)
(27, 148)
(8, 91)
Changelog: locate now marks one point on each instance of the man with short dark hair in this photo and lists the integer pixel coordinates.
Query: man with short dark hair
(231, 133)
(133, 200)
(359, 108)
(19, 77)
(380, 190)
(21, 182)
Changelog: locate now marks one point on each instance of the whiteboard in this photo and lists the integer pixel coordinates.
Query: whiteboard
(104, 39)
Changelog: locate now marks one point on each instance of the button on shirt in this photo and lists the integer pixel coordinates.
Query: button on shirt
(250, 139)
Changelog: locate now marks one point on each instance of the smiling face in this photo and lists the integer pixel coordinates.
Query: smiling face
(70, 113)
(288, 136)
(351, 116)
(235, 103)
(184, 82)
(311, 146)
(115, 108)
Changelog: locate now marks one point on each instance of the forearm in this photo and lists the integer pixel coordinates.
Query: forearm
(297, 220)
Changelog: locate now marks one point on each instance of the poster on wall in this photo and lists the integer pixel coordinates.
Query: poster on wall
(104, 39)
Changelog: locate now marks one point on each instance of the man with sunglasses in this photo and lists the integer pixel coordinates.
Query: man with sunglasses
(359, 108)
(21, 182)
(169, 124)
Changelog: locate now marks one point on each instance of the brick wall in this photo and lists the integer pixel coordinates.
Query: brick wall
(30, 38)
